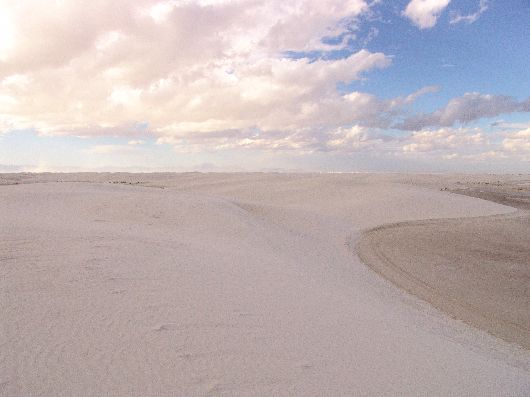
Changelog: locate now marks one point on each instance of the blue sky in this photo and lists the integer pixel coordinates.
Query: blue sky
(492, 55)
(421, 85)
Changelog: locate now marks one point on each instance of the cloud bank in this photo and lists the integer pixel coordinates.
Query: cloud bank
(216, 74)
(182, 68)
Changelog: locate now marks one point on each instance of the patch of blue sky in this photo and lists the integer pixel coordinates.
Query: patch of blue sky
(27, 148)
(490, 56)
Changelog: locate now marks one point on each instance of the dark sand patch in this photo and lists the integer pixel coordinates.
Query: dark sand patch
(474, 269)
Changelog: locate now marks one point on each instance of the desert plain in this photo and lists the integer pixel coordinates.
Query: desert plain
(264, 284)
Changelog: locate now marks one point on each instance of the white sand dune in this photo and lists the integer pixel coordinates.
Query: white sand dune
(239, 284)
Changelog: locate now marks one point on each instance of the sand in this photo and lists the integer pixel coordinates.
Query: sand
(477, 270)
(228, 284)
(474, 269)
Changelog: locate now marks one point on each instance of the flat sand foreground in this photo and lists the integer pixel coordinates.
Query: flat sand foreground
(241, 284)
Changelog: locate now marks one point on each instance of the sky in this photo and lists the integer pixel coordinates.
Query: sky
(246, 85)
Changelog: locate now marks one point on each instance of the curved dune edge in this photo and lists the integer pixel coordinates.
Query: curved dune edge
(410, 255)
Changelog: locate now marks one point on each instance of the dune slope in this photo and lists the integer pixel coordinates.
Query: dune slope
(240, 284)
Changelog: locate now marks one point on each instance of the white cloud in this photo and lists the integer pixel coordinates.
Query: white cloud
(457, 17)
(7, 34)
(444, 139)
(518, 141)
(306, 122)
(354, 139)
(183, 68)
(425, 13)
(465, 144)
(210, 75)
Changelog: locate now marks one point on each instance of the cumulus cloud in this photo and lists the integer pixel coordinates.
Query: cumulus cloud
(425, 13)
(303, 140)
(464, 109)
(355, 139)
(444, 139)
(321, 124)
(183, 71)
(463, 144)
(518, 141)
(457, 17)
(210, 75)
(445, 143)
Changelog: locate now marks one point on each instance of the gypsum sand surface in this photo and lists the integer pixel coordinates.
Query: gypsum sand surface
(227, 284)
(476, 269)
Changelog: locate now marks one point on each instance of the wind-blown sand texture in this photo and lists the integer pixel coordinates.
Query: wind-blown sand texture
(228, 284)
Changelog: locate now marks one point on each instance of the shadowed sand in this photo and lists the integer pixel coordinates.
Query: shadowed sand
(477, 270)
(229, 285)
